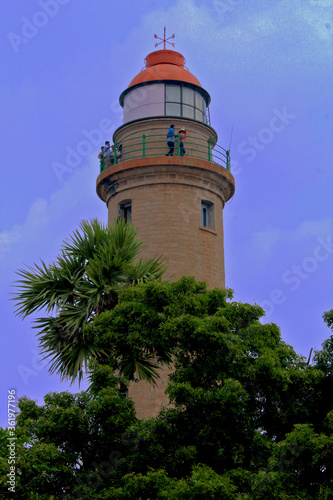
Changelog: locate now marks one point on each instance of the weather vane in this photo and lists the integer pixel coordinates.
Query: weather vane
(164, 40)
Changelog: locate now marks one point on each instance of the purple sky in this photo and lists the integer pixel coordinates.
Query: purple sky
(268, 69)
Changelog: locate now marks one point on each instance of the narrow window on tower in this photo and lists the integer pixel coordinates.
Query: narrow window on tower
(207, 214)
(125, 210)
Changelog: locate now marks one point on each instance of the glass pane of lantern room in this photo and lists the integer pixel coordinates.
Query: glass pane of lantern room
(172, 93)
(188, 111)
(199, 116)
(199, 102)
(188, 96)
(172, 109)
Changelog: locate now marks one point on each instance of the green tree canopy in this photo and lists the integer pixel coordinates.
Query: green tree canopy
(248, 418)
(328, 318)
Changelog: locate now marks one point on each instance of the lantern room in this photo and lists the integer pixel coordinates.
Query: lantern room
(165, 88)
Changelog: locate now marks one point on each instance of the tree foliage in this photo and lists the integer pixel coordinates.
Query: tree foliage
(94, 265)
(248, 418)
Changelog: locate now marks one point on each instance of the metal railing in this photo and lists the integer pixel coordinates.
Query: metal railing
(144, 146)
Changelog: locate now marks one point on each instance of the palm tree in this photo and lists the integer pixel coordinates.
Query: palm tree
(85, 280)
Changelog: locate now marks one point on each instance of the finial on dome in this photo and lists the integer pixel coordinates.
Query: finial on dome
(164, 40)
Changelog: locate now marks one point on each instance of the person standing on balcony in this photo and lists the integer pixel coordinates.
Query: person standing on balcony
(107, 152)
(101, 155)
(182, 137)
(115, 152)
(101, 159)
(171, 140)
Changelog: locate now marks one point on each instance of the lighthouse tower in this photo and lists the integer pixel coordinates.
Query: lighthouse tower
(175, 202)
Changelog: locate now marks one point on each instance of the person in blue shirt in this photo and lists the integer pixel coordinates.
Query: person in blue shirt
(171, 140)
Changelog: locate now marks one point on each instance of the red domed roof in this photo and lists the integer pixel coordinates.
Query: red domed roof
(165, 65)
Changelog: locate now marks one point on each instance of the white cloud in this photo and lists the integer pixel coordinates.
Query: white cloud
(220, 33)
(6, 239)
(80, 186)
(36, 218)
(315, 228)
(322, 3)
(264, 245)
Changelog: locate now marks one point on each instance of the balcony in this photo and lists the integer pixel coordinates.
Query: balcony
(144, 146)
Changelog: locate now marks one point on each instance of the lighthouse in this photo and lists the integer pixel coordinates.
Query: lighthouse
(175, 200)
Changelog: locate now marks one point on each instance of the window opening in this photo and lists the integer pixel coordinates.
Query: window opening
(207, 214)
(125, 211)
(204, 213)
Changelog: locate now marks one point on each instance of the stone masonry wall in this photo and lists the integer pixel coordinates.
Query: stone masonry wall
(166, 196)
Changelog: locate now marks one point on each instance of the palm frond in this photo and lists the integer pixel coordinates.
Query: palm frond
(146, 270)
(140, 366)
(41, 287)
(67, 356)
(82, 245)
(95, 263)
